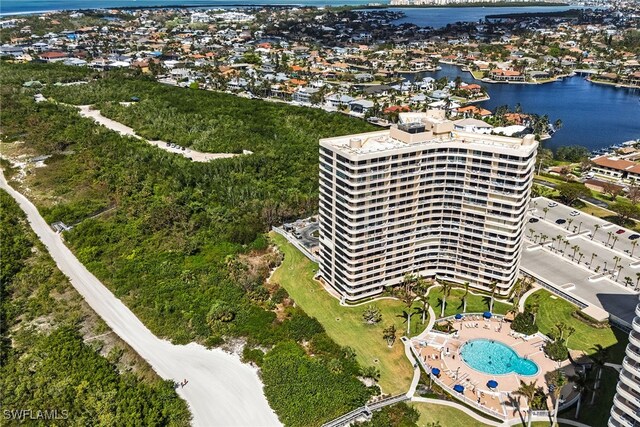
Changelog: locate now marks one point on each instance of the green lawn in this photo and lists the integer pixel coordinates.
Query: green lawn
(444, 415)
(344, 324)
(554, 310)
(595, 211)
(475, 303)
(551, 179)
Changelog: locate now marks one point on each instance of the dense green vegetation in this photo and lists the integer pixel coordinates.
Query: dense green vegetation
(181, 243)
(45, 364)
(524, 323)
(307, 391)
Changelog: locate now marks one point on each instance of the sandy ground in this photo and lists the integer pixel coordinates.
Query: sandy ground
(221, 391)
(196, 156)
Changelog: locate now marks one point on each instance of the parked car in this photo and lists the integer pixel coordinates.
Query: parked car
(621, 231)
(574, 213)
(552, 204)
(634, 236)
(533, 220)
(560, 221)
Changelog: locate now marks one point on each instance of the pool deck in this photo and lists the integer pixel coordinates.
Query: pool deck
(440, 350)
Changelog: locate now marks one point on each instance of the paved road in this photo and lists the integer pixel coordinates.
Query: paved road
(196, 156)
(221, 390)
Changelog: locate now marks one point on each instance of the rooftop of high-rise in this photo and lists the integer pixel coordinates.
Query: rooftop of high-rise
(416, 130)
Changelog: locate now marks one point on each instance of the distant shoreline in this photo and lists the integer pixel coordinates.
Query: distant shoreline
(464, 5)
(140, 7)
(486, 5)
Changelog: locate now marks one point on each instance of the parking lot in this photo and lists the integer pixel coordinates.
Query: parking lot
(578, 258)
(305, 231)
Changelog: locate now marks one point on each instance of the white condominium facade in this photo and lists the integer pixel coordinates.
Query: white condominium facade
(421, 198)
(626, 403)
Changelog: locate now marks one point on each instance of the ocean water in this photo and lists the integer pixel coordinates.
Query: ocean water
(8, 7)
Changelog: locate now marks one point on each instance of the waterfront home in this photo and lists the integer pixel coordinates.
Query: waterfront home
(500, 75)
(473, 111)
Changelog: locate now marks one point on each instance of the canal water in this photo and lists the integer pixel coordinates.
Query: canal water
(593, 115)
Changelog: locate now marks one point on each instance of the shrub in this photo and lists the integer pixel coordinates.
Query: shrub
(279, 295)
(254, 355)
(556, 350)
(523, 323)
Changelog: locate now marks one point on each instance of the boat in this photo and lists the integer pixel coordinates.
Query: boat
(438, 68)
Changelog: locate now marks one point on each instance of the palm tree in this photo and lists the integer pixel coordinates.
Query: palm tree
(600, 358)
(422, 287)
(528, 391)
(580, 255)
(545, 210)
(557, 381)
(582, 384)
(533, 308)
(464, 297)
(615, 239)
(531, 232)
(633, 246)
(407, 296)
(595, 230)
(494, 286)
(628, 281)
(569, 221)
(637, 280)
(559, 239)
(609, 233)
(575, 248)
(446, 290)
(593, 255)
(617, 259)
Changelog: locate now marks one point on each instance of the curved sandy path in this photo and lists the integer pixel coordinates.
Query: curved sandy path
(221, 390)
(196, 156)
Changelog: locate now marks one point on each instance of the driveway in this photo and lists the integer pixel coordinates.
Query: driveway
(221, 390)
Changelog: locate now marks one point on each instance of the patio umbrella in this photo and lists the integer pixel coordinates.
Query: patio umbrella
(487, 315)
(492, 384)
(435, 371)
(458, 316)
(458, 388)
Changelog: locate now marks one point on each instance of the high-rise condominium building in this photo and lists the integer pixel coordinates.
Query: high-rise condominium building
(626, 403)
(422, 198)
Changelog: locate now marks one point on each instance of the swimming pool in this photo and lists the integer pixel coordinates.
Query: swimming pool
(495, 358)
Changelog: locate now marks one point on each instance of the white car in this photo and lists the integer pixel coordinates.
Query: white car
(574, 213)
(552, 204)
